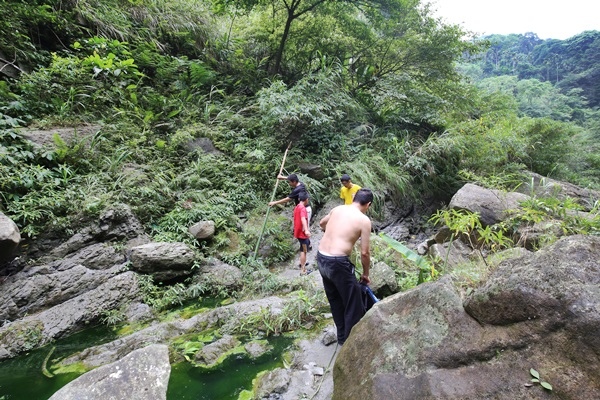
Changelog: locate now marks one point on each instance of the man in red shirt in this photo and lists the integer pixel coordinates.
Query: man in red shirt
(301, 230)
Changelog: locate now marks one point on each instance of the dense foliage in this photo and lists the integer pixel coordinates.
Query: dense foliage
(568, 64)
(368, 88)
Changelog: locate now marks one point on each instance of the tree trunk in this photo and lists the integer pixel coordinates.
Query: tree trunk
(286, 32)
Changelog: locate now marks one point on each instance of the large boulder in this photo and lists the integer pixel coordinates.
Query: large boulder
(216, 274)
(202, 230)
(538, 311)
(315, 171)
(214, 353)
(141, 375)
(45, 286)
(201, 144)
(541, 186)
(164, 261)
(116, 224)
(493, 206)
(9, 238)
(44, 138)
(451, 254)
(383, 279)
(68, 317)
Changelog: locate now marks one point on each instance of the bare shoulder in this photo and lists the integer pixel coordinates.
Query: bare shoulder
(334, 209)
(366, 221)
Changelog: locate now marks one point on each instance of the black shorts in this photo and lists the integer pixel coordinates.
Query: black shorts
(304, 245)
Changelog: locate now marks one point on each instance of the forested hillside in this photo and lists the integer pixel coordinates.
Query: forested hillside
(141, 140)
(370, 89)
(562, 74)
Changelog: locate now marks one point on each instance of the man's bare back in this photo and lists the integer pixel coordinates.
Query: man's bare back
(343, 226)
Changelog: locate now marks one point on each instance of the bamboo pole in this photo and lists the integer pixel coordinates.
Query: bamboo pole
(262, 231)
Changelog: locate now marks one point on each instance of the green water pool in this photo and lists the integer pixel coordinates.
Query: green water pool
(21, 378)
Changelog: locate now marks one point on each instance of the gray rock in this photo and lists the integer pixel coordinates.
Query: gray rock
(398, 232)
(540, 186)
(276, 381)
(216, 274)
(202, 230)
(45, 137)
(10, 237)
(138, 312)
(423, 248)
(558, 283)
(443, 235)
(257, 348)
(514, 252)
(211, 353)
(383, 280)
(37, 288)
(459, 254)
(97, 256)
(533, 236)
(329, 335)
(314, 369)
(539, 311)
(493, 206)
(315, 171)
(141, 375)
(202, 143)
(164, 261)
(221, 317)
(68, 317)
(118, 223)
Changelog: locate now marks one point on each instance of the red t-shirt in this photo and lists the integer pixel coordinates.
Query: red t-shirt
(299, 213)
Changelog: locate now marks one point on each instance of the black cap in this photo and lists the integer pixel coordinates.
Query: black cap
(345, 177)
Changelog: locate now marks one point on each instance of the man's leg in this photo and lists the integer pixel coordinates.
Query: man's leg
(303, 250)
(337, 308)
(349, 293)
(335, 301)
(354, 307)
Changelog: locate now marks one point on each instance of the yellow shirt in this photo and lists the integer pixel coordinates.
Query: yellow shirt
(348, 194)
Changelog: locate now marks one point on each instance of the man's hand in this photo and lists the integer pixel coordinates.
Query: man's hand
(307, 233)
(365, 279)
(272, 203)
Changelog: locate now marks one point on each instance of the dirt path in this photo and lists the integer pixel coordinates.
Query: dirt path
(312, 357)
(291, 270)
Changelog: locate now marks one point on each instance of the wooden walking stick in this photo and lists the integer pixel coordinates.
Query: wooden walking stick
(269, 207)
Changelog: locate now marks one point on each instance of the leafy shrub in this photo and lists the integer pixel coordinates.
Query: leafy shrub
(549, 145)
(104, 76)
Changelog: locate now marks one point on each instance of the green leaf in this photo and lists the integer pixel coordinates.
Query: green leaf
(534, 373)
(406, 252)
(535, 380)
(546, 385)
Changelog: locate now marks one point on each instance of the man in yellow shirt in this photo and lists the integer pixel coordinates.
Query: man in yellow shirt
(348, 189)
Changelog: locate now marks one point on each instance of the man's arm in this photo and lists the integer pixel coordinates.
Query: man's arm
(305, 225)
(284, 200)
(365, 252)
(325, 220)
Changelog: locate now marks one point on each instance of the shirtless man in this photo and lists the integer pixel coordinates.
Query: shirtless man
(343, 226)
